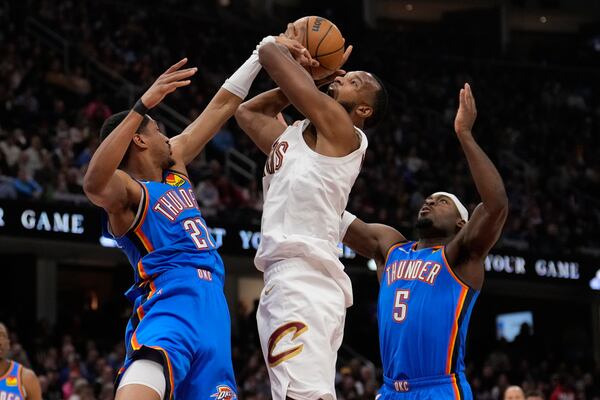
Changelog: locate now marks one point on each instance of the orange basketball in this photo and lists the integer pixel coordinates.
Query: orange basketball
(325, 43)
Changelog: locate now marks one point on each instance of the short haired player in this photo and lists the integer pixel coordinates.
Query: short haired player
(429, 285)
(311, 168)
(178, 338)
(16, 381)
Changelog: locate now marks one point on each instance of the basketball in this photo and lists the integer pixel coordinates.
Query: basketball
(325, 43)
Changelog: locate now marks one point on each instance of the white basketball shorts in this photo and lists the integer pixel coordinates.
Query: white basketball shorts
(301, 318)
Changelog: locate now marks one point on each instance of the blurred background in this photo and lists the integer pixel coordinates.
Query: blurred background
(66, 65)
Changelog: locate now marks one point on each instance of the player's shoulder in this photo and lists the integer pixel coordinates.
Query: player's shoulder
(399, 246)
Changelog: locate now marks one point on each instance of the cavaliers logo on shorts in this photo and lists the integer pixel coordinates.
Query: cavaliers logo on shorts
(295, 327)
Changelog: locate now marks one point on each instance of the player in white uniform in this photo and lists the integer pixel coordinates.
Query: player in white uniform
(310, 171)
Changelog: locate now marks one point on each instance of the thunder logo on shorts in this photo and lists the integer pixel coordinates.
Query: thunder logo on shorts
(224, 392)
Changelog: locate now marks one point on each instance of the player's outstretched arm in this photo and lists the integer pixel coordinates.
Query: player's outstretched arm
(257, 117)
(32, 385)
(187, 145)
(330, 118)
(369, 240)
(103, 183)
(485, 225)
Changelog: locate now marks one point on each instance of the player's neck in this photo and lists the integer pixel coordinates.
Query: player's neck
(144, 171)
(357, 121)
(424, 243)
(4, 366)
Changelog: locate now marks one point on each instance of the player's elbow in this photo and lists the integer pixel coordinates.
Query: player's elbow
(499, 210)
(90, 184)
(265, 53)
(241, 115)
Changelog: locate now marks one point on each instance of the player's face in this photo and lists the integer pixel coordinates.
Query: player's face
(159, 145)
(4, 342)
(353, 89)
(442, 213)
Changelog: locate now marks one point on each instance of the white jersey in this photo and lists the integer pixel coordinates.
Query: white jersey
(305, 194)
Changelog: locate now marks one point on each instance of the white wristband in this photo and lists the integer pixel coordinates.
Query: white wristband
(347, 219)
(239, 83)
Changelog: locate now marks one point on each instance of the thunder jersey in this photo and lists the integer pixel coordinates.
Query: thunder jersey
(10, 383)
(169, 231)
(305, 194)
(423, 314)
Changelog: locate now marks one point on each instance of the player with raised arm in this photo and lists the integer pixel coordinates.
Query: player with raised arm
(178, 338)
(16, 381)
(429, 286)
(308, 176)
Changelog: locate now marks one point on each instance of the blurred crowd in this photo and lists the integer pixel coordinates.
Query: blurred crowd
(536, 122)
(73, 368)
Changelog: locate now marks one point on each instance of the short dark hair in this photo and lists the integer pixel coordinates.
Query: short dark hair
(114, 120)
(380, 105)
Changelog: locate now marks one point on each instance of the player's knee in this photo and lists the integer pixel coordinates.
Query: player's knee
(144, 379)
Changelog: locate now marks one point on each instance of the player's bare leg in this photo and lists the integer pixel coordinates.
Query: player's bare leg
(136, 392)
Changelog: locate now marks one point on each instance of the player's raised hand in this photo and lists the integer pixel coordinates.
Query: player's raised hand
(299, 52)
(467, 112)
(168, 82)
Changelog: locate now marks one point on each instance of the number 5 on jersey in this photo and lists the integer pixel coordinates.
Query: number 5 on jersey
(198, 232)
(400, 306)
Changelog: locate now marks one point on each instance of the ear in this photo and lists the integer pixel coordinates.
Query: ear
(460, 224)
(364, 111)
(139, 141)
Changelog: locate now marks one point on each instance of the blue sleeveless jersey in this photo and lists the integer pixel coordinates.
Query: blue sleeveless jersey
(169, 231)
(423, 314)
(10, 383)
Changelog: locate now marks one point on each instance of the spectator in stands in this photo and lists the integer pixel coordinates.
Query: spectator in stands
(535, 395)
(25, 186)
(514, 393)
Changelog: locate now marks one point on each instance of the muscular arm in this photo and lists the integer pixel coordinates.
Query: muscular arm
(32, 385)
(257, 118)
(188, 144)
(103, 184)
(372, 240)
(470, 247)
(328, 116)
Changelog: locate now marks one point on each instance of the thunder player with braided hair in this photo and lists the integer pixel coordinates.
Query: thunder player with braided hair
(311, 168)
(429, 285)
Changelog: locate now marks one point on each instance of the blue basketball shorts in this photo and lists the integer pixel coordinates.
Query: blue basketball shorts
(454, 386)
(181, 319)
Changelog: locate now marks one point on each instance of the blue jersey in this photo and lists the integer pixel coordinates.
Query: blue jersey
(423, 314)
(169, 231)
(10, 383)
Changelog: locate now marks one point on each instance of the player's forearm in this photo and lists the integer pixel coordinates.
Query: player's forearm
(192, 140)
(269, 103)
(485, 175)
(256, 117)
(293, 79)
(110, 153)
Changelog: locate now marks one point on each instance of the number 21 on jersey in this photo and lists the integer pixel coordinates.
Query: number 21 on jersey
(400, 306)
(198, 232)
